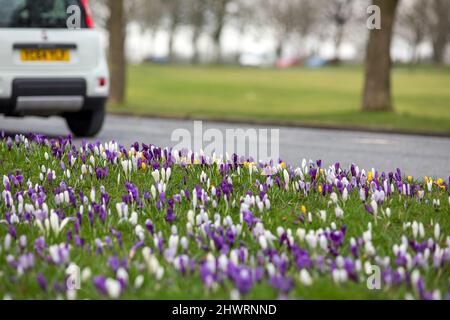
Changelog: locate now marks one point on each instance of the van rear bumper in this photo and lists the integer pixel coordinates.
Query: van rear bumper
(44, 96)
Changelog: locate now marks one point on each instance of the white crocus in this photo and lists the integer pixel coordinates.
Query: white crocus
(339, 212)
(122, 274)
(323, 242)
(429, 185)
(334, 197)
(421, 230)
(437, 231)
(345, 195)
(92, 195)
(301, 233)
(369, 249)
(133, 218)
(139, 281)
(305, 278)
(263, 242)
(55, 224)
(153, 191)
(311, 239)
(152, 263)
(155, 175)
(113, 288)
(339, 275)
(415, 229)
(362, 194)
(168, 173)
(323, 215)
(286, 176)
(374, 206)
(86, 274)
(7, 242)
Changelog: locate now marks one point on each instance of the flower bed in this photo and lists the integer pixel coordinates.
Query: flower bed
(101, 221)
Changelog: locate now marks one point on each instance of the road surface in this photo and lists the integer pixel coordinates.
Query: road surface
(415, 155)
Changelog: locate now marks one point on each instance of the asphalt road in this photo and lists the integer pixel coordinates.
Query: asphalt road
(415, 155)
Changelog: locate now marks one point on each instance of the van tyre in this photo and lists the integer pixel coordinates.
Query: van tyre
(86, 123)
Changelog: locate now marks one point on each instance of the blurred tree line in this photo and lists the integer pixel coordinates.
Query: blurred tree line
(288, 22)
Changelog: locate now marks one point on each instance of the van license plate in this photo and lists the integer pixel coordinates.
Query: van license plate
(45, 55)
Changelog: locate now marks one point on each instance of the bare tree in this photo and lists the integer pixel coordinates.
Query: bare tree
(413, 25)
(149, 15)
(173, 10)
(308, 14)
(117, 31)
(439, 28)
(219, 18)
(377, 89)
(196, 18)
(243, 14)
(291, 18)
(340, 13)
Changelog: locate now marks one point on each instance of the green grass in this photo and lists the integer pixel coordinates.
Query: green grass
(329, 96)
(285, 211)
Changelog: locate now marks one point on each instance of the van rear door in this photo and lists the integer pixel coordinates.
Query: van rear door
(34, 36)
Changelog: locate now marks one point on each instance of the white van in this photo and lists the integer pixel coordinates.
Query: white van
(47, 68)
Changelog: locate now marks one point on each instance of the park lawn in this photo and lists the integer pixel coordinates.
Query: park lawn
(330, 96)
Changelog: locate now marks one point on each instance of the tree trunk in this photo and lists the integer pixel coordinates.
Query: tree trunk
(197, 21)
(194, 42)
(439, 47)
(416, 55)
(221, 11)
(174, 22)
(217, 46)
(151, 42)
(279, 50)
(441, 30)
(377, 90)
(116, 28)
(338, 42)
(170, 45)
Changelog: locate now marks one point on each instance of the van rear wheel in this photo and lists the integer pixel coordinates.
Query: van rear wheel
(86, 123)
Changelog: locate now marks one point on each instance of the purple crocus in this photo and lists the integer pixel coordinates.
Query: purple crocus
(42, 282)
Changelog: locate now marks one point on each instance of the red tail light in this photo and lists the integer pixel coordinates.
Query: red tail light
(101, 82)
(88, 13)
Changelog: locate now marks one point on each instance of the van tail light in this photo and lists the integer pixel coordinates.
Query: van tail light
(101, 82)
(88, 13)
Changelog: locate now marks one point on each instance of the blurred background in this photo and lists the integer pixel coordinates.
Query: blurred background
(306, 62)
